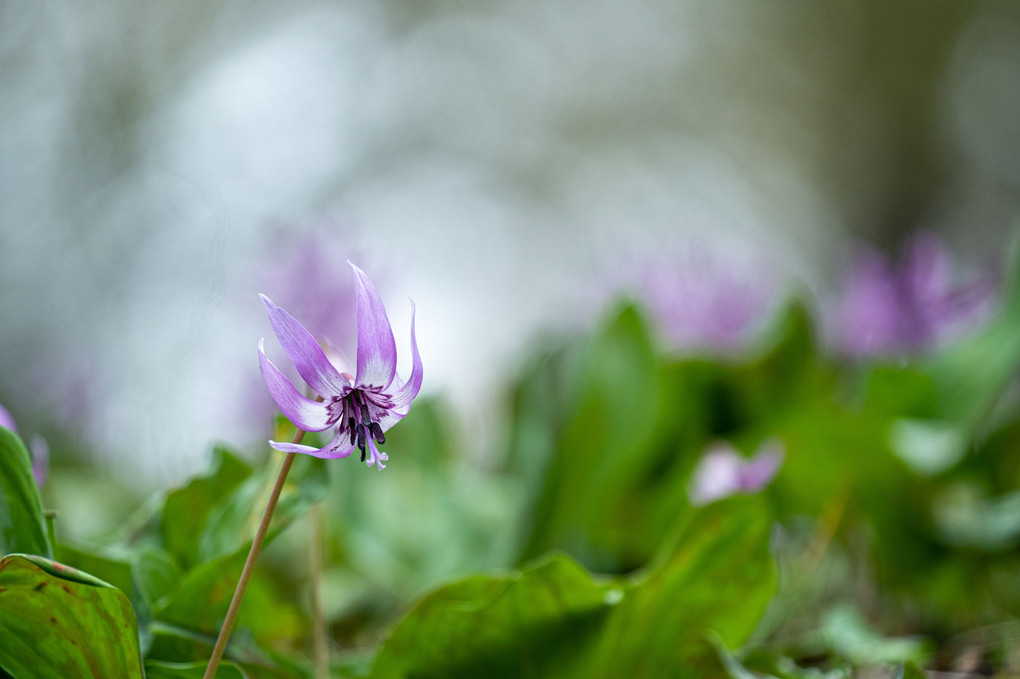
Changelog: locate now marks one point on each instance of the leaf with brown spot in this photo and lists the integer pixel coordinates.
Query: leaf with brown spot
(81, 628)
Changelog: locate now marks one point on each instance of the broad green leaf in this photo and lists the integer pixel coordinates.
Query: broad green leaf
(784, 369)
(604, 445)
(156, 669)
(156, 573)
(57, 622)
(402, 532)
(199, 602)
(233, 513)
(186, 510)
(216, 514)
(22, 527)
(635, 424)
(532, 623)
(113, 571)
(554, 619)
(717, 577)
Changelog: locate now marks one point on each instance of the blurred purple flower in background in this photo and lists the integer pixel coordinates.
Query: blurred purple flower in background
(299, 271)
(6, 420)
(40, 449)
(705, 302)
(304, 279)
(722, 471)
(363, 406)
(885, 310)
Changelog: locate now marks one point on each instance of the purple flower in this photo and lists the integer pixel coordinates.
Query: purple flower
(888, 311)
(40, 449)
(362, 407)
(6, 420)
(722, 472)
(304, 279)
(707, 304)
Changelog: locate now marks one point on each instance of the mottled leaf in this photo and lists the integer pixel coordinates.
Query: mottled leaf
(57, 622)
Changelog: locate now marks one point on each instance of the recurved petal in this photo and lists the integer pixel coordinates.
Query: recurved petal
(406, 394)
(340, 446)
(305, 413)
(308, 357)
(377, 351)
(393, 415)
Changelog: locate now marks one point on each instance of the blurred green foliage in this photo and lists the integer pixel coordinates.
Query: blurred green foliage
(890, 536)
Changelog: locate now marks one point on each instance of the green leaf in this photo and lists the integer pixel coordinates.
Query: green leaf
(175, 644)
(186, 510)
(604, 445)
(717, 577)
(424, 433)
(156, 573)
(22, 527)
(972, 373)
(531, 623)
(57, 622)
(785, 366)
(156, 669)
(554, 619)
(635, 423)
(199, 602)
(910, 670)
(115, 572)
(847, 635)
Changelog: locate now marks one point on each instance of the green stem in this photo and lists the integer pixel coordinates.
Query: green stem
(249, 564)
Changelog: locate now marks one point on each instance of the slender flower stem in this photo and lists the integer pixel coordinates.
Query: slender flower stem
(319, 636)
(249, 564)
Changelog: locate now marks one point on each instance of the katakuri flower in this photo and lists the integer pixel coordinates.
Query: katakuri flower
(723, 471)
(887, 309)
(362, 407)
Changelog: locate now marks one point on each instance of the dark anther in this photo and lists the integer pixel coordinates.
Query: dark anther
(361, 442)
(354, 434)
(377, 432)
(364, 414)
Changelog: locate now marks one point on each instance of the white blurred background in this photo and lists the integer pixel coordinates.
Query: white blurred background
(505, 163)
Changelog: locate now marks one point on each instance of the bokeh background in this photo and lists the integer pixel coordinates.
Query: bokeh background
(510, 165)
